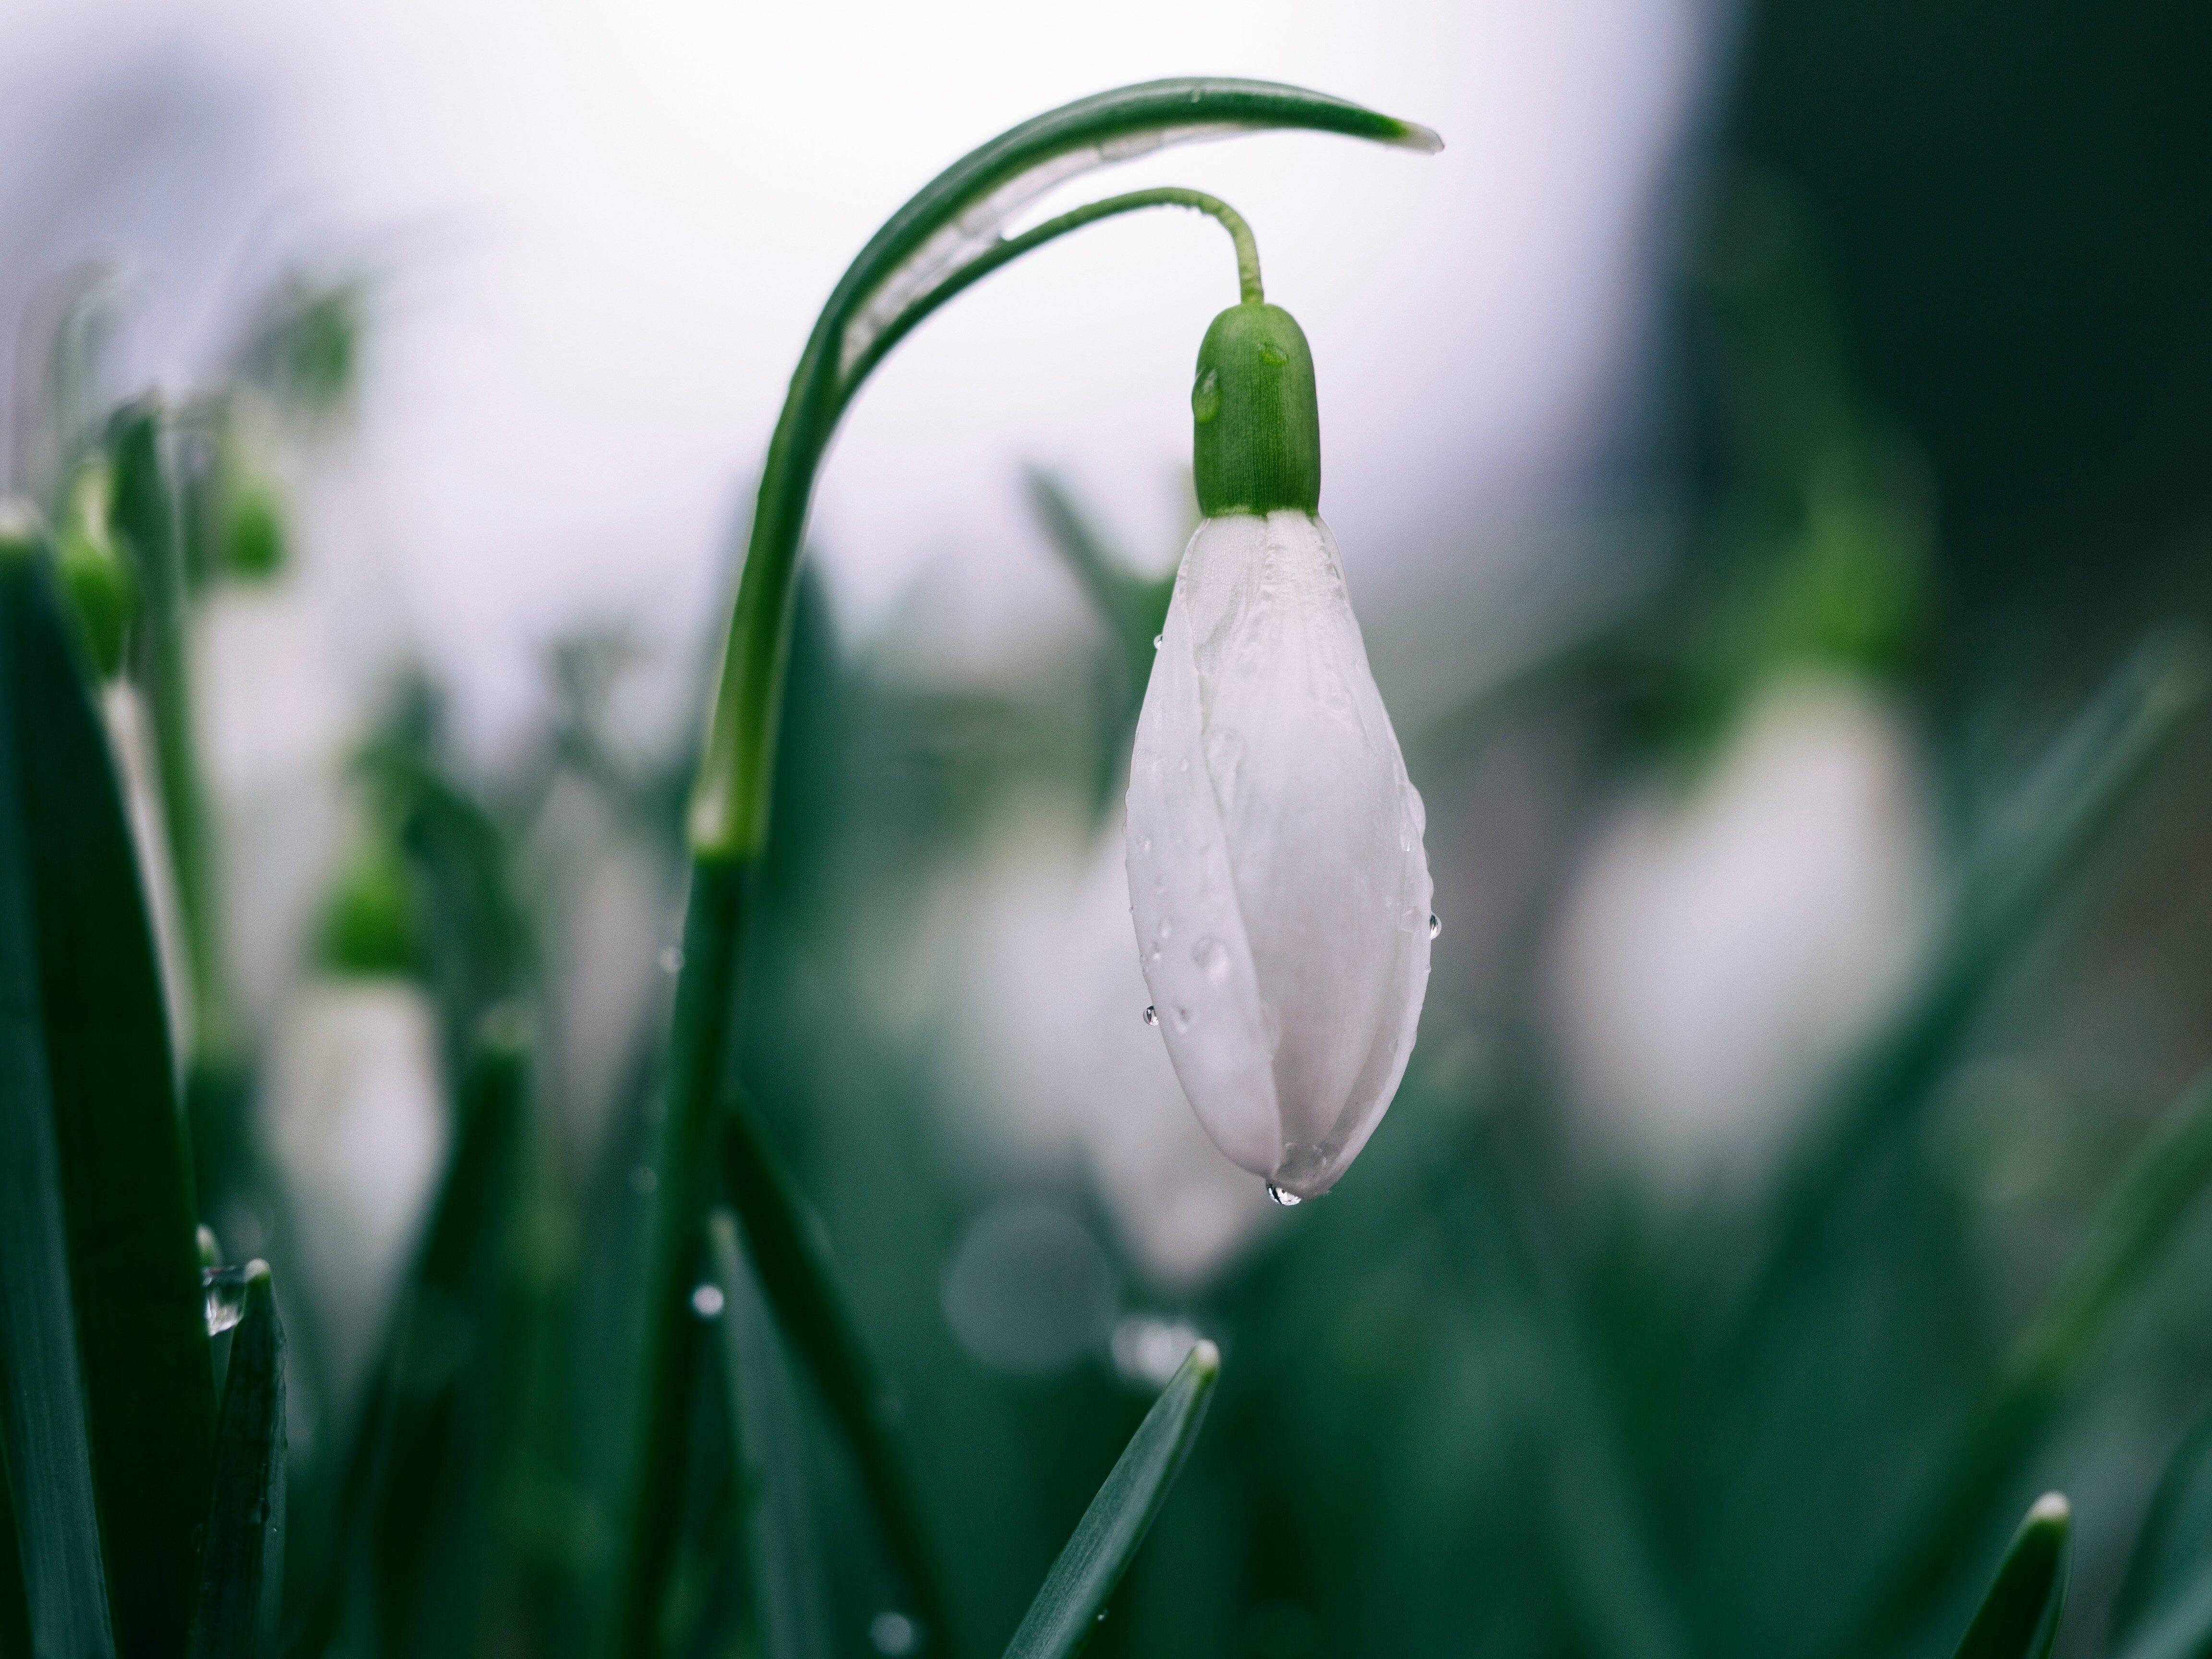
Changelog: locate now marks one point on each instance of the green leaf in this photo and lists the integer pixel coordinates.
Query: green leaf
(2179, 1628)
(792, 1254)
(88, 1035)
(2112, 1262)
(48, 1442)
(1076, 1590)
(422, 1472)
(242, 1574)
(2019, 1617)
(771, 1444)
(2174, 1547)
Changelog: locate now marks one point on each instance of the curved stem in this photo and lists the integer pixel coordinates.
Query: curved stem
(943, 240)
(1011, 248)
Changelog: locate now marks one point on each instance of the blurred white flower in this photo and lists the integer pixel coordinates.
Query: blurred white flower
(1277, 876)
(355, 1115)
(1720, 953)
(1060, 1075)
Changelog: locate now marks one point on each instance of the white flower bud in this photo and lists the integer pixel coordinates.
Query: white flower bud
(1276, 873)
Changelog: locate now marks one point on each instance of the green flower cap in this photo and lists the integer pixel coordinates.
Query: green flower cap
(1256, 422)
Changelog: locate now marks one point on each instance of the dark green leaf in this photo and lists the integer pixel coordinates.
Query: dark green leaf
(2174, 1547)
(791, 1255)
(47, 1441)
(2179, 1627)
(1076, 1590)
(86, 1016)
(2019, 1617)
(422, 1473)
(771, 1444)
(242, 1575)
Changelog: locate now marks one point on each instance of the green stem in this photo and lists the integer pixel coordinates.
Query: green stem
(936, 245)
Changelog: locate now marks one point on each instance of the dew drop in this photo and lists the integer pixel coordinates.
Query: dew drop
(1166, 929)
(1206, 396)
(1152, 1014)
(707, 1301)
(1145, 845)
(225, 1291)
(1435, 927)
(1159, 639)
(1273, 354)
(1284, 1196)
(1212, 957)
(672, 959)
(207, 1245)
(1410, 921)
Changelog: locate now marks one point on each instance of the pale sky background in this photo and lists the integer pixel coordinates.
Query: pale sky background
(609, 228)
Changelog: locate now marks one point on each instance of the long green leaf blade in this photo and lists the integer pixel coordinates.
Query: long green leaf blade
(764, 1412)
(2173, 1549)
(126, 1183)
(2019, 1617)
(1077, 1589)
(46, 1441)
(789, 1250)
(2179, 1628)
(243, 1570)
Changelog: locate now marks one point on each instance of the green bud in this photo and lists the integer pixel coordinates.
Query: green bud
(375, 922)
(253, 533)
(1257, 424)
(103, 592)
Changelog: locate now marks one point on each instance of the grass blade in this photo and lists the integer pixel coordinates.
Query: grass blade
(2174, 1547)
(789, 1251)
(92, 1008)
(2144, 1212)
(421, 1466)
(45, 1444)
(2019, 1617)
(242, 1573)
(1076, 1590)
(771, 1448)
(2179, 1628)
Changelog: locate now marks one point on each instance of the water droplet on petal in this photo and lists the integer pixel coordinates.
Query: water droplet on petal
(1184, 1017)
(707, 1301)
(1435, 927)
(1273, 354)
(1152, 1014)
(1166, 929)
(1159, 639)
(225, 1290)
(1284, 1196)
(1411, 921)
(1212, 957)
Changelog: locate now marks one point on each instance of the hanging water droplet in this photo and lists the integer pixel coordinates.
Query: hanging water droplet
(672, 959)
(1159, 639)
(225, 1291)
(894, 1634)
(1284, 1196)
(1152, 1014)
(1212, 957)
(707, 1301)
(1435, 927)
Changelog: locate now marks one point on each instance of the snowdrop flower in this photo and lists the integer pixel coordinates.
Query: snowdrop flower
(1722, 950)
(1277, 878)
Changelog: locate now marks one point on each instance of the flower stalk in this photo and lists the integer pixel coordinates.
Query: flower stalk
(945, 240)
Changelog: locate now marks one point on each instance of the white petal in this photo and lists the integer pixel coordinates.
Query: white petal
(1273, 833)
